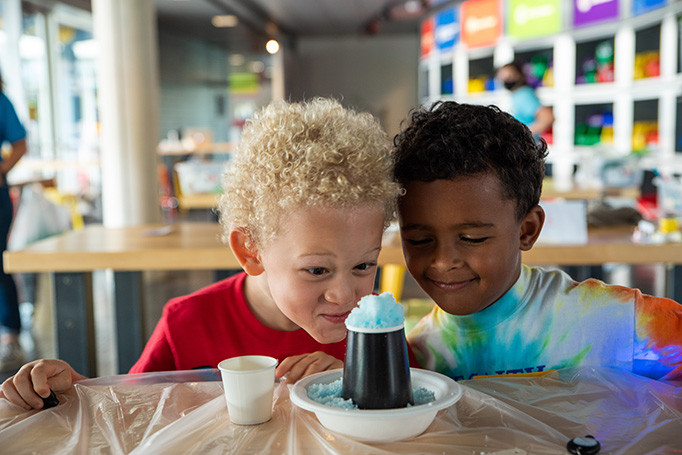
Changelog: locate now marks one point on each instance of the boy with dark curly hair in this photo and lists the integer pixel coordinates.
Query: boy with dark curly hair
(472, 177)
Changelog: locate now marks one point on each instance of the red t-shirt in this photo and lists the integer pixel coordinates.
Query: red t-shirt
(215, 323)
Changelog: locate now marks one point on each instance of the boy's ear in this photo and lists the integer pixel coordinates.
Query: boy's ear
(531, 225)
(245, 251)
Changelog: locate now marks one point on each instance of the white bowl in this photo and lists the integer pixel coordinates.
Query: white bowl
(379, 425)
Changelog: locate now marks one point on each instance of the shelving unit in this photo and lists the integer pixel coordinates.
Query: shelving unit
(635, 102)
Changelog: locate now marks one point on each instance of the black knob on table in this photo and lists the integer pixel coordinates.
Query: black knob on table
(584, 445)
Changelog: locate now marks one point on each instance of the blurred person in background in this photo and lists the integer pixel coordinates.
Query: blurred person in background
(12, 355)
(526, 106)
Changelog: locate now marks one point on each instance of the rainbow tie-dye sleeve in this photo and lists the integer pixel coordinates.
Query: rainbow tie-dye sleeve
(658, 337)
(549, 321)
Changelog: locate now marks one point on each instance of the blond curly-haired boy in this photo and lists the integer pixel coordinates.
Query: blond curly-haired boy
(306, 199)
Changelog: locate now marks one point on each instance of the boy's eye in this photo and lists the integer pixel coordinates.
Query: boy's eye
(317, 271)
(365, 266)
(417, 242)
(474, 239)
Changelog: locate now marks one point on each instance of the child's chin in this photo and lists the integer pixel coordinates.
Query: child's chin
(459, 310)
(331, 336)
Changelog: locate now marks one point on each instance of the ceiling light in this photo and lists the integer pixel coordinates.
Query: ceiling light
(272, 46)
(227, 20)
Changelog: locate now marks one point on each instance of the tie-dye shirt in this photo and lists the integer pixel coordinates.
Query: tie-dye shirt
(547, 320)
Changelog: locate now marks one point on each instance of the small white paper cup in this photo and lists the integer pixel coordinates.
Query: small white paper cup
(249, 383)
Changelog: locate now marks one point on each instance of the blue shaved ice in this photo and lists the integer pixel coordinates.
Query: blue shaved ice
(422, 396)
(376, 312)
(330, 395)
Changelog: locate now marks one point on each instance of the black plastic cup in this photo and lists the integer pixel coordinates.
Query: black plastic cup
(376, 371)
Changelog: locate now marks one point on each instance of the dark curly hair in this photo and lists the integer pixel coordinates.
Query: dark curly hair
(452, 140)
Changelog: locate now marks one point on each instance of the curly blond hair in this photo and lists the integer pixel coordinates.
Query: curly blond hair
(305, 154)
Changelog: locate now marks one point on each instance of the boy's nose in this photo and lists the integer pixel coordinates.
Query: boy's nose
(445, 257)
(341, 291)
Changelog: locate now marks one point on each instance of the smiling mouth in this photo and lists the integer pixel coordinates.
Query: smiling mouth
(336, 318)
(451, 285)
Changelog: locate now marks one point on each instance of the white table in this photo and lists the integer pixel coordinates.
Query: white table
(183, 413)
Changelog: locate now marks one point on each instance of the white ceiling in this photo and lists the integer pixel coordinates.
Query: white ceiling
(291, 18)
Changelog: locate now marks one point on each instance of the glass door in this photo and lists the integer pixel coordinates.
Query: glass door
(74, 88)
(36, 87)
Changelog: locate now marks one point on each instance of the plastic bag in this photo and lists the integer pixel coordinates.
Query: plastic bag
(184, 412)
(36, 218)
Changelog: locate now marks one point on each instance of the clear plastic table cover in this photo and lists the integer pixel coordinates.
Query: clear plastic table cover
(185, 412)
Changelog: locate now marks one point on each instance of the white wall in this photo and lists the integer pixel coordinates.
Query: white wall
(377, 74)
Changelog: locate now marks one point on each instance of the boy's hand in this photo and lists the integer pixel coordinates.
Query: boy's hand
(35, 379)
(299, 366)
